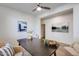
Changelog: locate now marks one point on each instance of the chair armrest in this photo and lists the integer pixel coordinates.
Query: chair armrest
(17, 49)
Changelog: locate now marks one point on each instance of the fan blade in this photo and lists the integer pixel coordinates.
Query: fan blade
(34, 10)
(38, 4)
(45, 7)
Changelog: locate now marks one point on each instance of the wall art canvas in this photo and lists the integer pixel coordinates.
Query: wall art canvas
(22, 26)
(60, 27)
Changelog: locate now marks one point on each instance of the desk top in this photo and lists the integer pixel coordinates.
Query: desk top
(36, 47)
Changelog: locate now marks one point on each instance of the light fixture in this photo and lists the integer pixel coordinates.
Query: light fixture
(39, 8)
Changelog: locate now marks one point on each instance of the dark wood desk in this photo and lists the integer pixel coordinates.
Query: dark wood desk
(36, 47)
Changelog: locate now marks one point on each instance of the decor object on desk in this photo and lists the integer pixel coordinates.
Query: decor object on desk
(22, 26)
(30, 34)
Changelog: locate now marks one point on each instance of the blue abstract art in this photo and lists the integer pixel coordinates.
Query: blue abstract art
(22, 26)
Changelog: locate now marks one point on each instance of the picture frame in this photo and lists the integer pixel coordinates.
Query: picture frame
(60, 27)
(22, 26)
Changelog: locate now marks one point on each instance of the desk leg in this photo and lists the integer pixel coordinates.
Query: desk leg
(55, 53)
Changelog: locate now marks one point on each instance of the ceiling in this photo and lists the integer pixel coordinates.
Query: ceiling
(28, 7)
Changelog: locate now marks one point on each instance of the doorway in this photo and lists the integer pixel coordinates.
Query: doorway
(42, 31)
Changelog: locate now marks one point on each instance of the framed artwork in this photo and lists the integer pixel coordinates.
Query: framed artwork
(22, 26)
(61, 27)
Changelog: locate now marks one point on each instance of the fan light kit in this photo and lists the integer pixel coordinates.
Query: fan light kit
(39, 8)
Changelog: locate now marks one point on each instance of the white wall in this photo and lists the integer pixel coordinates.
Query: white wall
(56, 10)
(37, 26)
(9, 25)
(58, 21)
(76, 23)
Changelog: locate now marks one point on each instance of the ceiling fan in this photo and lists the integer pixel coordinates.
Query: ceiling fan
(40, 7)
